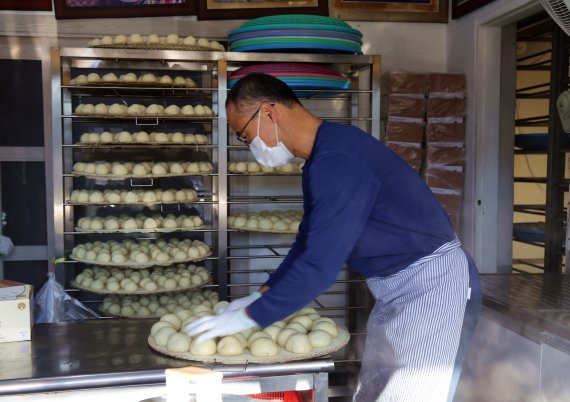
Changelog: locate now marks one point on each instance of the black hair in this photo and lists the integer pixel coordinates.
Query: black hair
(254, 88)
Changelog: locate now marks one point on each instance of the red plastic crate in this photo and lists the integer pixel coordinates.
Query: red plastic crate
(286, 396)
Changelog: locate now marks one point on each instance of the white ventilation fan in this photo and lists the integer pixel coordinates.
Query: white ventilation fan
(559, 10)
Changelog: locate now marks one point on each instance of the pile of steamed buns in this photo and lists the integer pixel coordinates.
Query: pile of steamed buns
(140, 253)
(138, 110)
(142, 169)
(153, 39)
(124, 196)
(299, 333)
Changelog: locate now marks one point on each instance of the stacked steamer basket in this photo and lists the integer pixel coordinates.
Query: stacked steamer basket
(140, 185)
(296, 32)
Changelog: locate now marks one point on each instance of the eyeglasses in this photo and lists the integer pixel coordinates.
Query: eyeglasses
(239, 134)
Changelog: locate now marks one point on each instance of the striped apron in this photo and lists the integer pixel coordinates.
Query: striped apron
(414, 329)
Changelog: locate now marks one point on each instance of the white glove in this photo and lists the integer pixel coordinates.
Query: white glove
(226, 323)
(241, 302)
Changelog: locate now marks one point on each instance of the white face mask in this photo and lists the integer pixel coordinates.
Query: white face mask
(275, 156)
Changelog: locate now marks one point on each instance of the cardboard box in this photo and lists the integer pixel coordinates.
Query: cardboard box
(16, 311)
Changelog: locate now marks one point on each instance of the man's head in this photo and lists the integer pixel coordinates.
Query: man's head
(253, 89)
(264, 107)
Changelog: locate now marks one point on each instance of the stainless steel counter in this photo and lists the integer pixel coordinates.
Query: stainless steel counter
(529, 304)
(108, 353)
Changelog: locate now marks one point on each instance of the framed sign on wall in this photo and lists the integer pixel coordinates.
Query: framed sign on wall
(246, 9)
(30, 5)
(390, 10)
(122, 8)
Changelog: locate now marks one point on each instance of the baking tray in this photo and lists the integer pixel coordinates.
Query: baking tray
(155, 46)
(263, 231)
(282, 356)
(139, 292)
(157, 230)
(113, 177)
(146, 265)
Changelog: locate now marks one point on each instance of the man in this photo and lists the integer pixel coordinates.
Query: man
(364, 206)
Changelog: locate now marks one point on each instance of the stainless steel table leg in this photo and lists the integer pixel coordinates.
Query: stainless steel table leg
(321, 387)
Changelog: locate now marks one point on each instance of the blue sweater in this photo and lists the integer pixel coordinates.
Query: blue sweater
(364, 206)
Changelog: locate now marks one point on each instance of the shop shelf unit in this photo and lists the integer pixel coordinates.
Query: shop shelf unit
(241, 261)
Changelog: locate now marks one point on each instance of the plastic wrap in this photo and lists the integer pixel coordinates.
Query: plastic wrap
(405, 132)
(445, 177)
(445, 107)
(53, 304)
(410, 152)
(443, 132)
(445, 155)
(407, 83)
(407, 106)
(441, 83)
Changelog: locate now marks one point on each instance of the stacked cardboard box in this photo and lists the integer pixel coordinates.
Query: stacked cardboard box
(405, 123)
(445, 141)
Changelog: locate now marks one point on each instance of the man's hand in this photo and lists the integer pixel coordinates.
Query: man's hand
(226, 323)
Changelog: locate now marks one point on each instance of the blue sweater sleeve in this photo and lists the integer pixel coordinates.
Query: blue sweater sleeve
(341, 193)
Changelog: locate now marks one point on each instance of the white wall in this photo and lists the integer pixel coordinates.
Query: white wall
(409, 46)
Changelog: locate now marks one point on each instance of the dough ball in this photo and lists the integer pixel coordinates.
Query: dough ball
(110, 77)
(93, 77)
(120, 39)
(155, 110)
(240, 222)
(148, 78)
(107, 40)
(130, 77)
(219, 306)
(136, 110)
(162, 336)
(193, 167)
(101, 169)
(159, 170)
(173, 319)
(326, 326)
(101, 109)
(153, 38)
(161, 138)
(230, 346)
(189, 41)
(118, 169)
(177, 138)
(273, 331)
(172, 39)
(176, 168)
(172, 110)
(303, 320)
(319, 338)
(179, 81)
(299, 344)
(298, 327)
(263, 347)
(116, 109)
(188, 110)
(200, 111)
(135, 38)
(141, 137)
(150, 286)
(139, 169)
(265, 224)
(257, 335)
(306, 311)
(165, 80)
(284, 336)
(206, 348)
(203, 42)
(107, 137)
(178, 342)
